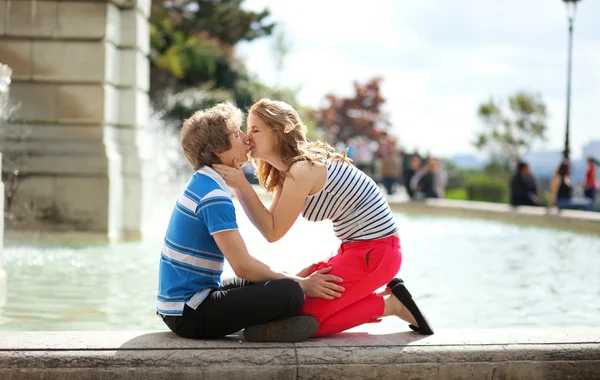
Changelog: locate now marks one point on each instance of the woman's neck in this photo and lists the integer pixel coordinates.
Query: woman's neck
(277, 163)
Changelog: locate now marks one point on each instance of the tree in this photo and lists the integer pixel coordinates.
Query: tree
(280, 50)
(192, 45)
(508, 134)
(222, 20)
(360, 115)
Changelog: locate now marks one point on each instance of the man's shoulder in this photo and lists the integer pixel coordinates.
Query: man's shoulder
(205, 188)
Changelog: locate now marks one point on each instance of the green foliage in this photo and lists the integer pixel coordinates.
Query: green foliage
(223, 20)
(177, 107)
(498, 169)
(192, 45)
(509, 133)
(193, 65)
(457, 194)
(187, 58)
(486, 189)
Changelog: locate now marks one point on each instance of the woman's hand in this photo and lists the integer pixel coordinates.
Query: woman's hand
(233, 176)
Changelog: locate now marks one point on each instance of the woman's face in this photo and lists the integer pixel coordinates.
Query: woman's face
(262, 138)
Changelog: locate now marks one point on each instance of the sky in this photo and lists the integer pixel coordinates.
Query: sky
(439, 60)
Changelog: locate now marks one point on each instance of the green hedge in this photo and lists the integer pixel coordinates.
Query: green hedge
(487, 189)
(457, 194)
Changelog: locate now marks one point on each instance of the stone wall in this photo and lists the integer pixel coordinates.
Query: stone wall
(5, 75)
(81, 78)
(2, 271)
(527, 353)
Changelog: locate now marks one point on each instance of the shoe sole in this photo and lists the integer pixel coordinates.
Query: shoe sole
(293, 329)
(401, 292)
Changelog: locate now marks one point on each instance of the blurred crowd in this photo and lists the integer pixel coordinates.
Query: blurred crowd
(563, 194)
(422, 177)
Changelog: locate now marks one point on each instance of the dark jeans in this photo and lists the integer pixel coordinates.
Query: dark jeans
(388, 183)
(570, 204)
(590, 193)
(237, 304)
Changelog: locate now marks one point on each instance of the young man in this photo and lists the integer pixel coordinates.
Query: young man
(203, 232)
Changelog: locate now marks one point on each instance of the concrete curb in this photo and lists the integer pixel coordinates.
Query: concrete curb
(478, 354)
(570, 220)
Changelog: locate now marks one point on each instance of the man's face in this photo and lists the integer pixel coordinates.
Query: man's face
(415, 163)
(239, 148)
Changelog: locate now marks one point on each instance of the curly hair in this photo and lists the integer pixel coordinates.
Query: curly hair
(290, 142)
(206, 134)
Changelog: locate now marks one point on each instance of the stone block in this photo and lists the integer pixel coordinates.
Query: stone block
(113, 24)
(112, 69)
(2, 271)
(112, 102)
(65, 164)
(125, 4)
(132, 214)
(85, 62)
(50, 132)
(17, 55)
(32, 19)
(134, 107)
(144, 7)
(57, 147)
(368, 372)
(82, 19)
(134, 69)
(81, 104)
(35, 101)
(135, 31)
(83, 202)
(69, 61)
(2, 17)
(32, 200)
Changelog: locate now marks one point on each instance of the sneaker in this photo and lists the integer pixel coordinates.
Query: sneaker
(293, 329)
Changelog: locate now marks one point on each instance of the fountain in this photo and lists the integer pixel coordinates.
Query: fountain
(5, 73)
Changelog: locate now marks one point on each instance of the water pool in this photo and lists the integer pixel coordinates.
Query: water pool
(464, 273)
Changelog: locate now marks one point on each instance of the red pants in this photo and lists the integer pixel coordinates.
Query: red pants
(365, 266)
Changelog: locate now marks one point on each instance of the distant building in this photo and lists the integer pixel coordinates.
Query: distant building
(466, 161)
(592, 148)
(543, 163)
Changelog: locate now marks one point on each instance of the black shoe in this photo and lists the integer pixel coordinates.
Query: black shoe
(293, 329)
(399, 290)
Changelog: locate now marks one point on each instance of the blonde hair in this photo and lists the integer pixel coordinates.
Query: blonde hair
(206, 133)
(290, 142)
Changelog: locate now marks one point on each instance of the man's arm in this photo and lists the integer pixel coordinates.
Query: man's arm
(318, 284)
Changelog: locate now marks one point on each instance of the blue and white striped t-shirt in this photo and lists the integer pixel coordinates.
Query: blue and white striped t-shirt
(191, 263)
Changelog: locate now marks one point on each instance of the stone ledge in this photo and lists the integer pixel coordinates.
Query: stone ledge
(516, 354)
(572, 220)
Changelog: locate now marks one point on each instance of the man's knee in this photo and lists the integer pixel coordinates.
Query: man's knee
(289, 292)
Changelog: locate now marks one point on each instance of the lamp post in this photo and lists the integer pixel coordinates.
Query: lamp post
(571, 10)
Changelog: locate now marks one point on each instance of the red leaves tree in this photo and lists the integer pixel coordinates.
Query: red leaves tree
(360, 115)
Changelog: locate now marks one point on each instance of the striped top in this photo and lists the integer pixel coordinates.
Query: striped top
(353, 202)
(191, 263)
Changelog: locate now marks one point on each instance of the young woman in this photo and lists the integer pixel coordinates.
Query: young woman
(591, 184)
(311, 179)
(561, 191)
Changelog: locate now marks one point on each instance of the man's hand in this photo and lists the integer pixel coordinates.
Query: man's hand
(320, 284)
